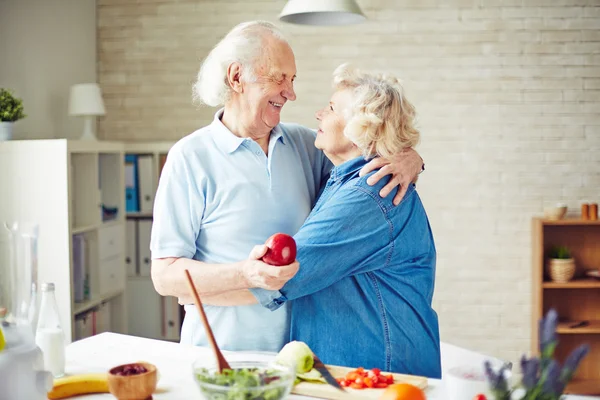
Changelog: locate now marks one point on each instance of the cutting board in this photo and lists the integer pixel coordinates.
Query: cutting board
(325, 391)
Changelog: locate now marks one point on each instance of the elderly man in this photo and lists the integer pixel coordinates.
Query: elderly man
(235, 182)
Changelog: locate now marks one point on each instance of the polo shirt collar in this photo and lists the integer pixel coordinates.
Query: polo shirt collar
(227, 141)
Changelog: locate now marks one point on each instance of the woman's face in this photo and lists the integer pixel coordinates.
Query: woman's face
(330, 136)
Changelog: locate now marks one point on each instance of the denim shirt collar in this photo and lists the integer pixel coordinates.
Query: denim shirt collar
(348, 169)
(228, 142)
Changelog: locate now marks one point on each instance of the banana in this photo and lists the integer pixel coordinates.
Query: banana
(75, 385)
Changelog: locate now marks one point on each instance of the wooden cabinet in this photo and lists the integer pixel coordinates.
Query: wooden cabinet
(575, 301)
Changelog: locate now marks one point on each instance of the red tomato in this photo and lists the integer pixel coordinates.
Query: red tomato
(480, 397)
(351, 376)
(376, 371)
(381, 385)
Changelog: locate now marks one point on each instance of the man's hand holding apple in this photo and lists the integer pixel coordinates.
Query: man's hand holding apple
(271, 265)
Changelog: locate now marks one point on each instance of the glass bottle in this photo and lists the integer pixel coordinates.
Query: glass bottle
(49, 336)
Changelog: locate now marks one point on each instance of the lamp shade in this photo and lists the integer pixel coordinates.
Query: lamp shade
(86, 99)
(322, 12)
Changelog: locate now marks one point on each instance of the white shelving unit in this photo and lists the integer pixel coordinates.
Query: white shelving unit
(163, 325)
(62, 185)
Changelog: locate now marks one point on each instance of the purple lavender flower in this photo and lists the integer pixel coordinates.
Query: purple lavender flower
(530, 369)
(573, 361)
(548, 336)
(552, 384)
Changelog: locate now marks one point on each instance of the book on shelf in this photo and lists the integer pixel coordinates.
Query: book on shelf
(79, 274)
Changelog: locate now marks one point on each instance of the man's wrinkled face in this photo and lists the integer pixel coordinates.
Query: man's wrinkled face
(275, 72)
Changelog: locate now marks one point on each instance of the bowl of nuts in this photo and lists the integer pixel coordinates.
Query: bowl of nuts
(132, 381)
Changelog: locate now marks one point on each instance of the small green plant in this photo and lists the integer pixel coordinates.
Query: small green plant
(11, 108)
(559, 252)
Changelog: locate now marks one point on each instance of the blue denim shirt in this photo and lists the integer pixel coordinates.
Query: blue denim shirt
(362, 296)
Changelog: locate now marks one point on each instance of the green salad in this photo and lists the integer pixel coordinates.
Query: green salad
(242, 384)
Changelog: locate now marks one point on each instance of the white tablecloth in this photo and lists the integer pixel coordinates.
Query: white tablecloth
(101, 352)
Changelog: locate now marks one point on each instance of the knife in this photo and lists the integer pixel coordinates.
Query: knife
(319, 366)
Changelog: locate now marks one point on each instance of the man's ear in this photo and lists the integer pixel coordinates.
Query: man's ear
(234, 73)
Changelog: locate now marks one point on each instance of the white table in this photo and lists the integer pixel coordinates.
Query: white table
(101, 352)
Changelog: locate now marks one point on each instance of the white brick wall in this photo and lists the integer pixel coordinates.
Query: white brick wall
(508, 93)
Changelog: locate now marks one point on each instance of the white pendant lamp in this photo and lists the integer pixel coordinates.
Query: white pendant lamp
(322, 12)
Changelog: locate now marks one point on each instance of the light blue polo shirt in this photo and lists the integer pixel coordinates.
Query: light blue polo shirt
(219, 195)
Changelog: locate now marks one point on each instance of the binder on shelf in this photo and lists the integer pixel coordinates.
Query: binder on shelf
(131, 261)
(145, 182)
(132, 202)
(79, 268)
(162, 159)
(143, 246)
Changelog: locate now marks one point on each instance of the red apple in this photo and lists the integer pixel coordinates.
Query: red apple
(281, 250)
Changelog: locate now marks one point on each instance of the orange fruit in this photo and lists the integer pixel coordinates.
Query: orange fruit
(403, 391)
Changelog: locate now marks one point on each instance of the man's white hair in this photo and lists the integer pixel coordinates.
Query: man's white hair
(243, 44)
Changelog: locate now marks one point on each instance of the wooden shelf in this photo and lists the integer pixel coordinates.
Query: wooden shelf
(584, 387)
(568, 221)
(574, 284)
(593, 327)
(574, 302)
(89, 304)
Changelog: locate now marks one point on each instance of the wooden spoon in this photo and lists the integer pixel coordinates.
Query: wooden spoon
(221, 361)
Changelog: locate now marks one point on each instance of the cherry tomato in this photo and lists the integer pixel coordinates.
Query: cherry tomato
(480, 397)
(351, 376)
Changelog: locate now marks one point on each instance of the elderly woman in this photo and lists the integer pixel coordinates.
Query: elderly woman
(362, 295)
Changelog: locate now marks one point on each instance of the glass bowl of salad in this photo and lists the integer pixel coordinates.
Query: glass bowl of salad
(246, 380)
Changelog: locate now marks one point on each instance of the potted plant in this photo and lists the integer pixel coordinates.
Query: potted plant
(11, 110)
(561, 265)
(543, 378)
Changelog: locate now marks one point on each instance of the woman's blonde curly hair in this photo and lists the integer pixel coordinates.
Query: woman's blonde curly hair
(381, 120)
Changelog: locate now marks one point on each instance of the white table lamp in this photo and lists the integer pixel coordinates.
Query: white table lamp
(322, 12)
(86, 101)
